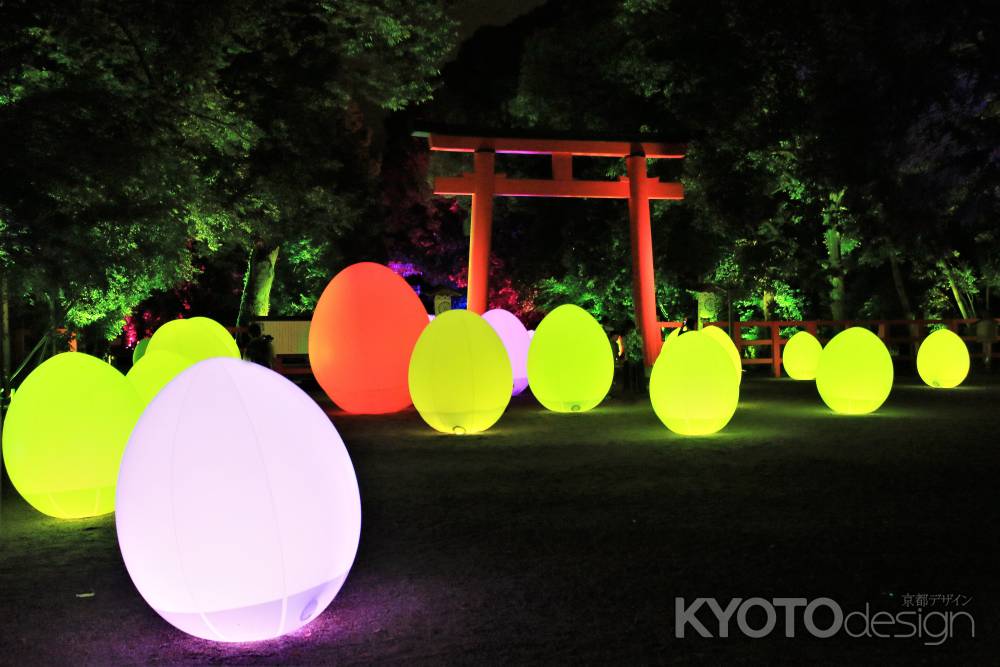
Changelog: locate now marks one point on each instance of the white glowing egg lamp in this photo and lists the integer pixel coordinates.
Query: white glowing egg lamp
(238, 511)
(515, 340)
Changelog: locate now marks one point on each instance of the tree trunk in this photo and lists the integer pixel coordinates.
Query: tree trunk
(897, 279)
(965, 309)
(256, 300)
(838, 288)
(5, 344)
(766, 301)
(904, 300)
(4, 338)
(50, 347)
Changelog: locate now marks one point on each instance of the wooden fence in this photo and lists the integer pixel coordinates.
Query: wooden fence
(902, 337)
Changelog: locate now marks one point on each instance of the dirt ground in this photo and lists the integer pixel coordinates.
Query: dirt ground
(566, 539)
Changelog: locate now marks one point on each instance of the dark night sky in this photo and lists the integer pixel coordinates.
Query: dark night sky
(473, 14)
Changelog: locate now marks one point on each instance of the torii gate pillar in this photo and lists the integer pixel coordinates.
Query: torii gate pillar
(643, 282)
(480, 231)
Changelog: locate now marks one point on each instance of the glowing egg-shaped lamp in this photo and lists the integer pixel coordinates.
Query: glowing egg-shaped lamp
(668, 341)
(515, 340)
(800, 356)
(943, 359)
(140, 349)
(363, 330)
(221, 334)
(238, 511)
(693, 388)
(570, 361)
(64, 435)
(723, 339)
(459, 375)
(153, 371)
(194, 339)
(854, 375)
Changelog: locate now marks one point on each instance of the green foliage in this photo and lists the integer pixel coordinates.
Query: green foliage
(106, 176)
(816, 153)
(138, 138)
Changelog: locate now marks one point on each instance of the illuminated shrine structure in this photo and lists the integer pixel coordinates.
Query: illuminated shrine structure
(483, 184)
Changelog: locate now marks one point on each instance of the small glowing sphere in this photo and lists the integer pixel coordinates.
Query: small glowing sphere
(800, 356)
(238, 510)
(854, 375)
(194, 339)
(140, 349)
(723, 339)
(943, 359)
(693, 389)
(153, 371)
(570, 362)
(515, 340)
(363, 330)
(64, 435)
(459, 374)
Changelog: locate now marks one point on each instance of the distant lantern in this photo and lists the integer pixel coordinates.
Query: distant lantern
(515, 340)
(153, 371)
(800, 356)
(64, 435)
(570, 362)
(362, 334)
(238, 509)
(459, 375)
(140, 349)
(727, 344)
(693, 388)
(195, 339)
(854, 375)
(943, 359)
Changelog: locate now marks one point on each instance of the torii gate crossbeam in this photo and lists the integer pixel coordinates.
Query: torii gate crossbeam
(483, 184)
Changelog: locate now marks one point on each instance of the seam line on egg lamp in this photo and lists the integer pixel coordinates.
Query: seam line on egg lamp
(271, 505)
(173, 517)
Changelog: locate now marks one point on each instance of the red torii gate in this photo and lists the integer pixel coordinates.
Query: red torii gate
(483, 183)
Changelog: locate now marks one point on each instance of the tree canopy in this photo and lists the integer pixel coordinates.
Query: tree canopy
(842, 158)
(141, 136)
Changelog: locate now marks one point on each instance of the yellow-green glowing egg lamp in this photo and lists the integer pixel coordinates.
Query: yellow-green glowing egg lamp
(459, 374)
(195, 339)
(800, 356)
(570, 362)
(943, 359)
(64, 436)
(674, 334)
(140, 349)
(727, 344)
(693, 388)
(153, 371)
(854, 375)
